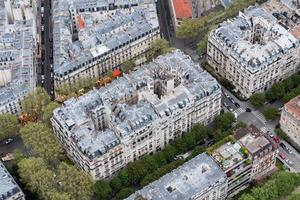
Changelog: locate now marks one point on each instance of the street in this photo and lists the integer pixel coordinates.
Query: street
(17, 143)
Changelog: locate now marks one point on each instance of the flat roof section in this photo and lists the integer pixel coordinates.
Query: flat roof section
(182, 8)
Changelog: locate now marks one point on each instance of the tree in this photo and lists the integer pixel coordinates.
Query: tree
(246, 197)
(285, 183)
(294, 196)
(18, 155)
(35, 103)
(40, 139)
(189, 28)
(169, 152)
(136, 171)
(28, 166)
(150, 163)
(270, 113)
(277, 91)
(74, 182)
(102, 190)
(159, 47)
(116, 184)
(124, 193)
(128, 66)
(257, 99)
(124, 177)
(9, 126)
(49, 112)
(224, 121)
(197, 150)
(160, 159)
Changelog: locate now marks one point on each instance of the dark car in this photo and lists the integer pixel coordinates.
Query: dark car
(248, 110)
(237, 105)
(282, 145)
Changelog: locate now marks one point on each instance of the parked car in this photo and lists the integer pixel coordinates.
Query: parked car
(276, 139)
(226, 95)
(231, 100)
(248, 110)
(237, 104)
(288, 161)
(229, 108)
(9, 140)
(281, 155)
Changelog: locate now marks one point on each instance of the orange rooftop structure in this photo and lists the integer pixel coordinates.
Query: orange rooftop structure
(180, 9)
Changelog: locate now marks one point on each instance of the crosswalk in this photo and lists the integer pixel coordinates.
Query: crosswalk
(264, 129)
(260, 116)
(240, 111)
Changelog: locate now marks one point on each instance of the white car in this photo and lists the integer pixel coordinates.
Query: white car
(9, 140)
(288, 161)
(226, 95)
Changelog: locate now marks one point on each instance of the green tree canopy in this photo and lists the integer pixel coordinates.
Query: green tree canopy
(124, 193)
(128, 66)
(9, 126)
(49, 112)
(150, 163)
(136, 171)
(74, 182)
(35, 103)
(270, 113)
(102, 190)
(257, 99)
(224, 121)
(159, 47)
(40, 139)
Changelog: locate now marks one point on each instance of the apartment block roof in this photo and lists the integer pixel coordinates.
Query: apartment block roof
(293, 107)
(239, 37)
(131, 104)
(8, 186)
(17, 50)
(108, 25)
(195, 177)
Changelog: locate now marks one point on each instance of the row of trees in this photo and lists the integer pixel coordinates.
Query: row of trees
(279, 186)
(46, 171)
(284, 90)
(152, 167)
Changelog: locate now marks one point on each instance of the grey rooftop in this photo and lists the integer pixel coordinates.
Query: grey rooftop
(8, 186)
(234, 35)
(195, 177)
(17, 39)
(109, 25)
(75, 114)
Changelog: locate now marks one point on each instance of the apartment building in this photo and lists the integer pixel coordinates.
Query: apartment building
(18, 48)
(290, 119)
(136, 114)
(95, 36)
(9, 189)
(257, 48)
(198, 179)
(248, 156)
